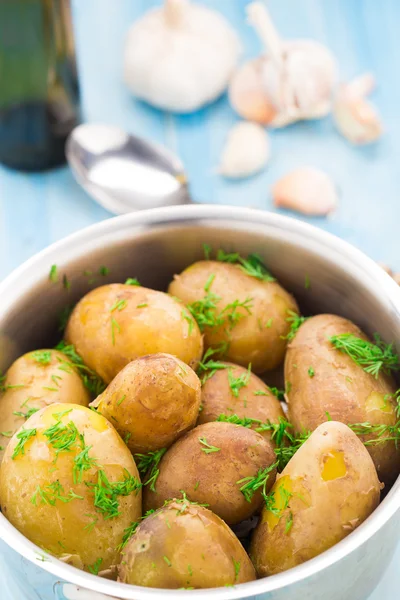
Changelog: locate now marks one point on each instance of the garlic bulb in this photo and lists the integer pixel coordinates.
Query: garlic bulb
(306, 190)
(180, 56)
(294, 80)
(355, 117)
(246, 151)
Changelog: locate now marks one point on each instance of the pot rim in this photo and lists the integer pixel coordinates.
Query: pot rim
(74, 245)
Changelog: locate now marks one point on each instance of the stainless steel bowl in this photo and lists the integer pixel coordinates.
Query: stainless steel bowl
(152, 246)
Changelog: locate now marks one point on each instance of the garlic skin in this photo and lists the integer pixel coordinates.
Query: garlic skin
(180, 56)
(246, 151)
(291, 81)
(355, 117)
(306, 190)
(302, 87)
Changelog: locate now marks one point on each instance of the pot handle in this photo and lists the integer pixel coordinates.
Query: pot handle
(69, 591)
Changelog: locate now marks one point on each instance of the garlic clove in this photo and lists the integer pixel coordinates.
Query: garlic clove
(247, 95)
(306, 190)
(246, 151)
(293, 81)
(180, 56)
(396, 277)
(355, 117)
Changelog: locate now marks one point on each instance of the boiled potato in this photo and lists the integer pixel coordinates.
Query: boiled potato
(70, 485)
(338, 387)
(327, 489)
(255, 332)
(184, 545)
(152, 401)
(207, 464)
(33, 381)
(114, 324)
(222, 394)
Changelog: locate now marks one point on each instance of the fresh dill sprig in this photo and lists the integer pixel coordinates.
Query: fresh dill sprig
(208, 366)
(95, 568)
(272, 505)
(62, 437)
(29, 413)
(106, 493)
(89, 378)
(286, 442)
(53, 492)
(119, 305)
(383, 433)
(82, 461)
(148, 464)
(132, 281)
(43, 357)
(249, 485)
(204, 311)
(372, 357)
(295, 322)
(23, 436)
(53, 275)
(237, 383)
(208, 448)
(231, 314)
(190, 320)
(185, 503)
(207, 251)
(252, 265)
(115, 326)
(131, 529)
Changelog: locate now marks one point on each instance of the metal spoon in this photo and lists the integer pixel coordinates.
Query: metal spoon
(123, 172)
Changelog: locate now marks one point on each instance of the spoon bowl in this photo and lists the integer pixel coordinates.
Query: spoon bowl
(123, 172)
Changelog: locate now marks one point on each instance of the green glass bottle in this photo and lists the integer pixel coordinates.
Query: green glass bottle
(39, 94)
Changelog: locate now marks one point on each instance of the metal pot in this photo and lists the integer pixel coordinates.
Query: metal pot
(152, 246)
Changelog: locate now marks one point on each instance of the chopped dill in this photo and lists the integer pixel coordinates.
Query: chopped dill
(25, 415)
(208, 448)
(53, 275)
(43, 357)
(132, 281)
(237, 383)
(372, 357)
(119, 305)
(106, 493)
(250, 485)
(148, 464)
(95, 568)
(89, 378)
(23, 436)
(207, 366)
(114, 327)
(295, 321)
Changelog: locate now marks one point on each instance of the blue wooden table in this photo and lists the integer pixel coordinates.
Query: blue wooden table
(36, 210)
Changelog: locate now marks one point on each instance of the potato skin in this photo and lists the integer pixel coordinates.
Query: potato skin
(339, 387)
(39, 389)
(335, 488)
(64, 529)
(212, 478)
(217, 398)
(155, 399)
(148, 322)
(183, 545)
(257, 338)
